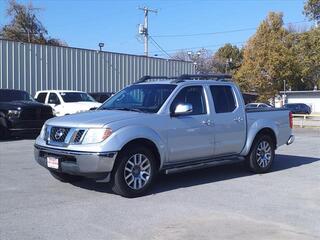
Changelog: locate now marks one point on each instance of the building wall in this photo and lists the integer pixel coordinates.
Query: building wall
(34, 67)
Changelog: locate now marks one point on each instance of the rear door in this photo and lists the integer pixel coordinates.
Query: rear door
(229, 120)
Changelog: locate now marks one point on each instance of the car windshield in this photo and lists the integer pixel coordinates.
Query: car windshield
(140, 98)
(76, 97)
(12, 95)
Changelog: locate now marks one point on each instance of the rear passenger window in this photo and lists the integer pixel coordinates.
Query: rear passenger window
(41, 97)
(223, 99)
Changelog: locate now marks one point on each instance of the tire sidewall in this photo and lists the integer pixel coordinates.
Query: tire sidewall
(119, 184)
(253, 163)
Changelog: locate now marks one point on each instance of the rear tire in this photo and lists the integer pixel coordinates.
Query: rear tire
(63, 177)
(261, 155)
(134, 172)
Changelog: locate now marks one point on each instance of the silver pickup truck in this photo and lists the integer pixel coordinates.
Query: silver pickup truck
(167, 125)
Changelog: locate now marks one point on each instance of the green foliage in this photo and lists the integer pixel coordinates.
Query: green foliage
(25, 26)
(227, 59)
(308, 56)
(312, 10)
(274, 55)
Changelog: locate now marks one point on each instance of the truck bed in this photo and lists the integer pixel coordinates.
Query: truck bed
(279, 116)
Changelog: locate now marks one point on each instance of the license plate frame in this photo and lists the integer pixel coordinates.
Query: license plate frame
(52, 162)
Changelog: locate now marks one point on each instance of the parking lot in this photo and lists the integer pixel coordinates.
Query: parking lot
(216, 203)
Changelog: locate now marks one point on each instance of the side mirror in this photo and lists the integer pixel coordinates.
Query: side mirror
(182, 109)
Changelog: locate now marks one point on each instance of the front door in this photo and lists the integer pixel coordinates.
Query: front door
(190, 137)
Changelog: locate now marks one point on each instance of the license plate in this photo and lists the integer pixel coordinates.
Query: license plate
(53, 162)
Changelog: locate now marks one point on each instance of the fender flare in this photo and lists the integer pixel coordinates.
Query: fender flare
(255, 128)
(127, 134)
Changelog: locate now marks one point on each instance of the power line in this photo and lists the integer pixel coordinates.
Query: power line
(158, 46)
(203, 46)
(215, 33)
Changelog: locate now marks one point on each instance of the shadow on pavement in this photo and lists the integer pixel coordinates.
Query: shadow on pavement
(197, 177)
(18, 138)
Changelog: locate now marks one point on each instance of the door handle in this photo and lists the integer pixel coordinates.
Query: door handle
(238, 119)
(207, 122)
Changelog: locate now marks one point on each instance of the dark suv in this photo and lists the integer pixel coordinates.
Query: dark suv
(20, 114)
(298, 108)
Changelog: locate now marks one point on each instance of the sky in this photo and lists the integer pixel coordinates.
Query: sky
(85, 23)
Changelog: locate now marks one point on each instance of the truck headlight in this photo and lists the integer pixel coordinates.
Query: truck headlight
(96, 135)
(13, 113)
(43, 132)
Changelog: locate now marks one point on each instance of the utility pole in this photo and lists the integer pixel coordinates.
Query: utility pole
(143, 29)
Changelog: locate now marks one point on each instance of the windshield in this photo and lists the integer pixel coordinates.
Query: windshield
(140, 97)
(76, 97)
(12, 95)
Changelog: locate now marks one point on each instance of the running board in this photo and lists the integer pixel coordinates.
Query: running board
(202, 164)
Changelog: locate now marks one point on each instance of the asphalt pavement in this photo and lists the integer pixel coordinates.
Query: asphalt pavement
(225, 202)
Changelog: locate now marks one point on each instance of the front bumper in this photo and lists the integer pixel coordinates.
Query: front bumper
(290, 140)
(96, 165)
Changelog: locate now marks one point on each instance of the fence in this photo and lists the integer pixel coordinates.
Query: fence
(34, 67)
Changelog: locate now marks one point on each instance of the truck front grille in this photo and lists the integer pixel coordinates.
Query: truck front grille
(36, 114)
(59, 134)
(78, 136)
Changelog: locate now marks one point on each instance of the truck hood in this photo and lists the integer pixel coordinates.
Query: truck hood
(14, 105)
(93, 119)
(82, 105)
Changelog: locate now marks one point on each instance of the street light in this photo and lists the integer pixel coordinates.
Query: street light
(101, 45)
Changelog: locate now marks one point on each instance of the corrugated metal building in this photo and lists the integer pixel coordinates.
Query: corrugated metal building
(34, 67)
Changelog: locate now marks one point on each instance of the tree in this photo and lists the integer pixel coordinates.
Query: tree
(312, 10)
(201, 58)
(228, 58)
(308, 55)
(25, 26)
(268, 59)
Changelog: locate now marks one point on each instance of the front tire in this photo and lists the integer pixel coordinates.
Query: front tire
(63, 177)
(135, 172)
(261, 155)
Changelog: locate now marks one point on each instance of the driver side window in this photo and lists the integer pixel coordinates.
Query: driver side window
(53, 99)
(193, 95)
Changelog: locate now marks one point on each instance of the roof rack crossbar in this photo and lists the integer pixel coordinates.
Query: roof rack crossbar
(184, 77)
(147, 77)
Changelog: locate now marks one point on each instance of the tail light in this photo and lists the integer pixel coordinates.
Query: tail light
(290, 120)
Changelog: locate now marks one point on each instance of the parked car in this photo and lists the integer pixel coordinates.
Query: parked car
(162, 126)
(298, 108)
(101, 97)
(20, 113)
(67, 102)
(257, 105)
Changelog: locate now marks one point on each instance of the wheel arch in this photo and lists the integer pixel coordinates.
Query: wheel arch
(147, 143)
(252, 136)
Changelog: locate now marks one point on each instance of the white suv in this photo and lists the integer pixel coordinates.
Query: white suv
(66, 102)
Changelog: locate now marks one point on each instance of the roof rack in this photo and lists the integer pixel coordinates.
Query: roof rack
(147, 77)
(216, 76)
(183, 77)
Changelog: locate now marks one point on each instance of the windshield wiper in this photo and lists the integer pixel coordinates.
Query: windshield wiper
(125, 109)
